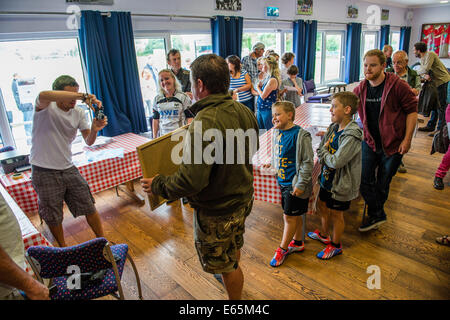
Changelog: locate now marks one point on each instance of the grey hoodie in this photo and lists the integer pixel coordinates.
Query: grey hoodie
(346, 161)
(304, 161)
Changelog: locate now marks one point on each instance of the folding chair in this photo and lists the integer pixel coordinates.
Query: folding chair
(100, 267)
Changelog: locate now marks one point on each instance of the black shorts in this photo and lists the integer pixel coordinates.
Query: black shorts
(331, 203)
(292, 205)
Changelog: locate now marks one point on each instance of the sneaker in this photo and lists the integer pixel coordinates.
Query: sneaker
(329, 252)
(279, 257)
(316, 236)
(295, 248)
(372, 223)
(402, 168)
(426, 129)
(438, 183)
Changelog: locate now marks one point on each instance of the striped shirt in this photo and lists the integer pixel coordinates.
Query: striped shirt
(237, 83)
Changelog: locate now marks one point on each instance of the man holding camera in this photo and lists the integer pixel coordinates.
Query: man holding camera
(55, 178)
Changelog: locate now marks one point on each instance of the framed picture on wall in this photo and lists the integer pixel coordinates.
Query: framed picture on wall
(384, 14)
(230, 5)
(352, 12)
(305, 7)
(436, 36)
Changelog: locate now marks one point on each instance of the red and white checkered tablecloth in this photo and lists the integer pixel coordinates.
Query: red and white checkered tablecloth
(100, 175)
(265, 181)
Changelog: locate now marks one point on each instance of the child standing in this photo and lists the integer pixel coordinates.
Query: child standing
(292, 82)
(293, 157)
(340, 156)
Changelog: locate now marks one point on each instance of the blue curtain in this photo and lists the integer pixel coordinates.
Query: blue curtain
(384, 35)
(227, 35)
(352, 52)
(405, 36)
(107, 47)
(304, 47)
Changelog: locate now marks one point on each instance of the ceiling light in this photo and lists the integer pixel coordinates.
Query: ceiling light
(444, 1)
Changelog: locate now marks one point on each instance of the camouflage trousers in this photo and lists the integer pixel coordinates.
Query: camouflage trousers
(218, 239)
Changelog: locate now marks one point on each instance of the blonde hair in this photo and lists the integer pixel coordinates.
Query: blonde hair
(177, 83)
(274, 70)
(287, 106)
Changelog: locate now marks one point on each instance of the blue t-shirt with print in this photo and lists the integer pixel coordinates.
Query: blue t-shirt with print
(327, 174)
(286, 155)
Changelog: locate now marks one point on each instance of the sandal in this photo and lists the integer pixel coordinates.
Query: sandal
(443, 240)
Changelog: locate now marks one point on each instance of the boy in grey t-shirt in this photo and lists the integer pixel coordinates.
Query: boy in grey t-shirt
(292, 87)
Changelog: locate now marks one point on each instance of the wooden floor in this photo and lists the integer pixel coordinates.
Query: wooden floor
(412, 264)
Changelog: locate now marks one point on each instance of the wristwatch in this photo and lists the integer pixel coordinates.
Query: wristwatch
(85, 97)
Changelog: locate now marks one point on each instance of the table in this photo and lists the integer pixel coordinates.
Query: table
(100, 175)
(30, 235)
(264, 182)
(336, 85)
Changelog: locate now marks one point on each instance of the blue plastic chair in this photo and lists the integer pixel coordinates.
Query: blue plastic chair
(90, 257)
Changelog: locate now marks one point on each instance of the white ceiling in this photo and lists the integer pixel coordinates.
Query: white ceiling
(410, 3)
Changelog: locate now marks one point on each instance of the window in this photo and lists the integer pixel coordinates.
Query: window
(288, 42)
(329, 56)
(369, 41)
(394, 40)
(31, 67)
(271, 40)
(151, 58)
(191, 46)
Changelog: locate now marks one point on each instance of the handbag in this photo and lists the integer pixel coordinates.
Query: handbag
(440, 141)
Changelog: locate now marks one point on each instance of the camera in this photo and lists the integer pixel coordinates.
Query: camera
(99, 114)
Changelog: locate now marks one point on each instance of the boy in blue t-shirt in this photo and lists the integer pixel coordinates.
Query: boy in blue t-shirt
(340, 155)
(293, 157)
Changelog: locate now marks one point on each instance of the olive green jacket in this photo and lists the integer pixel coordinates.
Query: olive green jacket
(214, 181)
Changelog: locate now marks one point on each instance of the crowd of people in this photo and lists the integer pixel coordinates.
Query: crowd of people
(356, 157)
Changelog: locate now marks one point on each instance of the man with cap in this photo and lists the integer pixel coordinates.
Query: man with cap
(249, 63)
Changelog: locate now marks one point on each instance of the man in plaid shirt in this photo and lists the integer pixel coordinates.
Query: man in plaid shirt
(249, 62)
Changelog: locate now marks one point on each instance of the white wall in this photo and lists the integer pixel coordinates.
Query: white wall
(323, 11)
(424, 16)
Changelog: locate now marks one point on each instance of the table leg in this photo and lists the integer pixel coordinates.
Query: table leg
(129, 190)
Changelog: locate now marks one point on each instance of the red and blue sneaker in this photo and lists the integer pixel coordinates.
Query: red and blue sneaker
(316, 236)
(279, 257)
(329, 252)
(295, 248)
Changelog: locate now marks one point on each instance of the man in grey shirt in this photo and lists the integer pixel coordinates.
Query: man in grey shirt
(249, 63)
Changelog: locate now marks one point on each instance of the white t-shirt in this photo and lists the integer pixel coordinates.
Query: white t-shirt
(171, 111)
(10, 240)
(53, 133)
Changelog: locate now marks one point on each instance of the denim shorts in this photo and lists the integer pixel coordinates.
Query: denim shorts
(55, 186)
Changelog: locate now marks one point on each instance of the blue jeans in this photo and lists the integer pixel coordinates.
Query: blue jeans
(375, 183)
(250, 103)
(265, 119)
